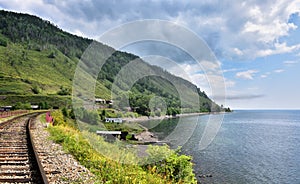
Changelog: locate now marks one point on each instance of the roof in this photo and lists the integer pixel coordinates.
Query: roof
(99, 99)
(8, 106)
(108, 132)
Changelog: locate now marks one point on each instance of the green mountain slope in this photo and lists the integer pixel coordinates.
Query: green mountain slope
(38, 62)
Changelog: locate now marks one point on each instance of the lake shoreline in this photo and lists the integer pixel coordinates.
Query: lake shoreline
(146, 118)
(148, 137)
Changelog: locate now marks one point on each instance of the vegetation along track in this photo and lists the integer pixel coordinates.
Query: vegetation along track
(18, 160)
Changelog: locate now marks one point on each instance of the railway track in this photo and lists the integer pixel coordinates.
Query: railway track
(18, 159)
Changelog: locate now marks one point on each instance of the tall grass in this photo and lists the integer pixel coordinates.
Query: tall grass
(118, 163)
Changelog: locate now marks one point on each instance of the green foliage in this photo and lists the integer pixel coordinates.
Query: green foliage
(40, 33)
(38, 55)
(170, 164)
(88, 116)
(110, 113)
(125, 127)
(64, 91)
(49, 101)
(64, 111)
(106, 170)
(72, 114)
(20, 105)
(43, 105)
(51, 55)
(36, 89)
(108, 166)
(43, 118)
(131, 115)
(205, 107)
(173, 111)
(3, 42)
(58, 117)
(103, 115)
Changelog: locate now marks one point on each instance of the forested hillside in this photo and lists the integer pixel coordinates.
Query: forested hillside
(38, 61)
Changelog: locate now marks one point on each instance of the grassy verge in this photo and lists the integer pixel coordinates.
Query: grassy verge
(116, 163)
(11, 117)
(51, 100)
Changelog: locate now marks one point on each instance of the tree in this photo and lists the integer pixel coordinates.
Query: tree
(65, 112)
(64, 91)
(3, 43)
(103, 114)
(172, 111)
(20, 105)
(36, 89)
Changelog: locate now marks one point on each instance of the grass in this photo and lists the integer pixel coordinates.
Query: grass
(105, 169)
(22, 70)
(37, 58)
(52, 100)
(118, 163)
(126, 127)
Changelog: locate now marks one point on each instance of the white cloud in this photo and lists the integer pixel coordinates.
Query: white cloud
(290, 63)
(249, 74)
(212, 83)
(267, 32)
(253, 33)
(232, 70)
(229, 83)
(264, 76)
(278, 71)
(279, 48)
(238, 52)
(239, 30)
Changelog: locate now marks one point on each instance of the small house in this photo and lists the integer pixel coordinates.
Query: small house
(34, 107)
(100, 100)
(114, 133)
(110, 135)
(113, 120)
(6, 108)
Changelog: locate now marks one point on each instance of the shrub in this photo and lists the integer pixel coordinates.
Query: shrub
(65, 112)
(105, 169)
(36, 89)
(43, 105)
(170, 164)
(88, 116)
(64, 91)
(3, 42)
(20, 105)
(162, 166)
(58, 117)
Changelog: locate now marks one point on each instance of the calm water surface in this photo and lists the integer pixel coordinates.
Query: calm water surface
(250, 147)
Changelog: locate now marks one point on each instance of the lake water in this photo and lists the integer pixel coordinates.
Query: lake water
(250, 146)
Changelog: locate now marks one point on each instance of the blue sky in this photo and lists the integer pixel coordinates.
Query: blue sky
(256, 42)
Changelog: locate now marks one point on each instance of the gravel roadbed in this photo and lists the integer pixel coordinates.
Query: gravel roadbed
(59, 166)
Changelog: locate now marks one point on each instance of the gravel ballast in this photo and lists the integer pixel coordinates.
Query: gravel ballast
(59, 166)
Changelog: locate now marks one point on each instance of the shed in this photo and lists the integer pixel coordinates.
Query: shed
(6, 108)
(99, 100)
(34, 107)
(112, 134)
(108, 132)
(113, 120)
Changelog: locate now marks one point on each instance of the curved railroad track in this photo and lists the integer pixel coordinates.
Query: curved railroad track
(19, 162)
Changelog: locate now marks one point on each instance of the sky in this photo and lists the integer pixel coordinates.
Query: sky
(256, 43)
